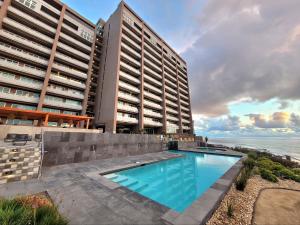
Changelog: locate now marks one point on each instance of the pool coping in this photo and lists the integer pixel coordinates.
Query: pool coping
(202, 208)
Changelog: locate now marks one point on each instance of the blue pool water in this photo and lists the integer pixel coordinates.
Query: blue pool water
(175, 183)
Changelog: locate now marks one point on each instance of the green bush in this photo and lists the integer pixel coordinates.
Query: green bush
(252, 155)
(268, 175)
(265, 163)
(230, 209)
(14, 212)
(249, 163)
(241, 181)
(296, 171)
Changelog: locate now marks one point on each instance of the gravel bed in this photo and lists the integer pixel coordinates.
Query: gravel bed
(243, 202)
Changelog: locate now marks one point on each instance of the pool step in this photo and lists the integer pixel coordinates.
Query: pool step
(129, 182)
(138, 186)
(111, 176)
(119, 179)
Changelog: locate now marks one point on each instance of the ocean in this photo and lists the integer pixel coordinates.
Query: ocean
(276, 145)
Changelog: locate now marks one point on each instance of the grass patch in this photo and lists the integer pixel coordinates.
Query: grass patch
(230, 209)
(29, 211)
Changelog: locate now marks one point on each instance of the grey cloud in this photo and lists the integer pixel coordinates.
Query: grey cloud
(247, 48)
(277, 120)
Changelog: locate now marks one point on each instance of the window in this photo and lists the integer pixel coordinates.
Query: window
(28, 3)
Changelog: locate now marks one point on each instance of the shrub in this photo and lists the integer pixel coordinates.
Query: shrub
(285, 173)
(249, 163)
(268, 175)
(241, 181)
(230, 209)
(16, 212)
(252, 155)
(296, 171)
(265, 163)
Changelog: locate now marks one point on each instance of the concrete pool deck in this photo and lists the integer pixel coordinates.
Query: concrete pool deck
(87, 198)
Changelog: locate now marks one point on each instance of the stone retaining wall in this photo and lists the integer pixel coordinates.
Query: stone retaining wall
(67, 147)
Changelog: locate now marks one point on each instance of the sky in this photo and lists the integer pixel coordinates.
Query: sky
(243, 59)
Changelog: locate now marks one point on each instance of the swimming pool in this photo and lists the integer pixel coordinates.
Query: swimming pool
(175, 183)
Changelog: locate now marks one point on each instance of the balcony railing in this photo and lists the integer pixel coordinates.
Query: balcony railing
(127, 108)
(172, 118)
(152, 96)
(19, 98)
(128, 97)
(151, 113)
(69, 70)
(185, 115)
(148, 78)
(20, 67)
(23, 41)
(62, 104)
(129, 77)
(186, 128)
(131, 42)
(75, 42)
(68, 93)
(174, 98)
(185, 121)
(137, 38)
(129, 68)
(127, 119)
(152, 104)
(22, 54)
(168, 102)
(130, 59)
(150, 122)
(153, 88)
(67, 81)
(152, 51)
(129, 87)
(147, 53)
(27, 30)
(71, 60)
(184, 108)
(21, 83)
(72, 50)
(130, 51)
(170, 83)
(174, 92)
(170, 110)
(151, 64)
(152, 72)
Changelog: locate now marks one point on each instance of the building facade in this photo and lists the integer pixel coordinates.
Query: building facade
(144, 82)
(120, 72)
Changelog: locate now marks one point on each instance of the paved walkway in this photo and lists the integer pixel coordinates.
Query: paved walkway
(85, 200)
(277, 207)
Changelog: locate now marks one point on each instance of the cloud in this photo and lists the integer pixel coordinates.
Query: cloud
(245, 49)
(277, 120)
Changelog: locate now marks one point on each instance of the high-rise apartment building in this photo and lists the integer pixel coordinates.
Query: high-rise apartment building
(144, 82)
(46, 56)
(120, 72)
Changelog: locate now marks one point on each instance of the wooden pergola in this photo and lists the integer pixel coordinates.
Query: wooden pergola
(44, 118)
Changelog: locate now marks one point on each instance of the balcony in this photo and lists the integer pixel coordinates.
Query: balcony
(154, 81)
(169, 65)
(172, 118)
(168, 102)
(184, 108)
(186, 128)
(25, 42)
(63, 105)
(148, 112)
(27, 30)
(22, 68)
(152, 88)
(68, 38)
(183, 90)
(172, 97)
(69, 71)
(128, 97)
(127, 108)
(130, 51)
(184, 97)
(129, 87)
(67, 93)
(185, 121)
(21, 83)
(18, 98)
(32, 20)
(73, 51)
(127, 119)
(185, 115)
(22, 54)
(152, 72)
(170, 76)
(174, 92)
(184, 102)
(129, 77)
(152, 46)
(131, 60)
(152, 96)
(65, 81)
(129, 41)
(71, 60)
(152, 65)
(152, 51)
(170, 110)
(149, 55)
(130, 69)
(152, 123)
(170, 83)
(127, 30)
(152, 104)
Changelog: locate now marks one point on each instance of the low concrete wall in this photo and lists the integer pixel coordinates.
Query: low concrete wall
(187, 144)
(67, 147)
(31, 130)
